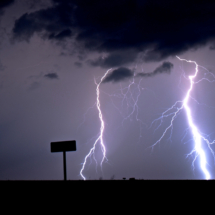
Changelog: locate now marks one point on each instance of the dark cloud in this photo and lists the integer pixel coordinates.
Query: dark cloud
(5, 3)
(119, 74)
(160, 29)
(164, 68)
(35, 4)
(123, 73)
(115, 59)
(55, 22)
(63, 34)
(51, 76)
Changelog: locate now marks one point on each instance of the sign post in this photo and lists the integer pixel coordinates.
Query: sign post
(63, 146)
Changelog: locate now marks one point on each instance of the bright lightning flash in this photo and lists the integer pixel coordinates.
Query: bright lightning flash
(129, 96)
(100, 137)
(197, 137)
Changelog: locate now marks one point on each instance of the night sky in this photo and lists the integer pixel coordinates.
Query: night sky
(53, 53)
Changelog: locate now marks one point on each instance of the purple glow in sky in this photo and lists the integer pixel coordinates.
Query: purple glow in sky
(52, 52)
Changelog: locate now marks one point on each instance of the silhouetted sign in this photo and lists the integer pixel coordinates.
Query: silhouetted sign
(63, 146)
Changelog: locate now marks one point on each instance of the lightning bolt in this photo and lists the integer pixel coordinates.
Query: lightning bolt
(173, 111)
(129, 97)
(197, 136)
(100, 137)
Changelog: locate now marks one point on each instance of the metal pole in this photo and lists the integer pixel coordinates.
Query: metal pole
(64, 164)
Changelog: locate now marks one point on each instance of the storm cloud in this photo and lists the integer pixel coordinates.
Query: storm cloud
(160, 29)
(63, 34)
(123, 73)
(119, 74)
(164, 68)
(5, 3)
(115, 59)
